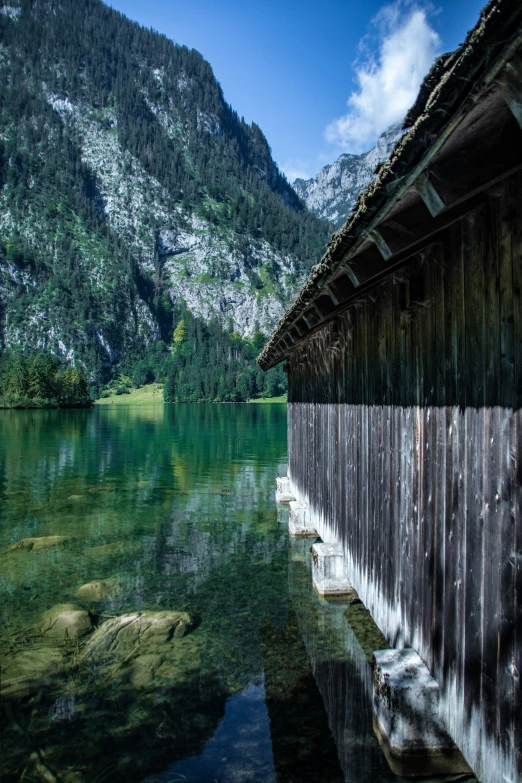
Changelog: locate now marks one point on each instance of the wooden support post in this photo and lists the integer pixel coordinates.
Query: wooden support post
(510, 85)
(376, 236)
(429, 195)
(307, 322)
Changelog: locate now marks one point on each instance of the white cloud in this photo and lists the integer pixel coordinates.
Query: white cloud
(295, 168)
(388, 80)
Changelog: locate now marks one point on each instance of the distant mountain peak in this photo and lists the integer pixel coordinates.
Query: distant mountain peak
(333, 192)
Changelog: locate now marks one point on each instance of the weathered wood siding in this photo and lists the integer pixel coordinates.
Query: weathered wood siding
(405, 437)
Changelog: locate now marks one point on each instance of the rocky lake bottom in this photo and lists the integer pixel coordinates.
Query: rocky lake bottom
(157, 623)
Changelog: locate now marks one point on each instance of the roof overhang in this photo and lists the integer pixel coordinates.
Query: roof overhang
(446, 166)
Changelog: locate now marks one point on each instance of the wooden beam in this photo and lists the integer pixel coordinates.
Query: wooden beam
(318, 311)
(354, 280)
(305, 319)
(428, 193)
(376, 236)
(331, 294)
(510, 85)
(451, 215)
(399, 228)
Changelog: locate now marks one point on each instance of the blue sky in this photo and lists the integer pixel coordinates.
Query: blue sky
(320, 77)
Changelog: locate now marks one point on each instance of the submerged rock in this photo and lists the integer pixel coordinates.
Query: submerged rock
(32, 663)
(34, 544)
(66, 621)
(27, 670)
(143, 670)
(98, 590)
(138, 632)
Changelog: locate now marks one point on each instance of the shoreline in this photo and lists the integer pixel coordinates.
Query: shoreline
(152, 393)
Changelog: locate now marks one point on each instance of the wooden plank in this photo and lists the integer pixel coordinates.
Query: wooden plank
(503, 689)
(364, 486)
(515, 560)
(474, 527)
(429, 465)
(516, 229)
(505, 272)
(439, 499)
(472, 663)
(516, 563)
(449, 634)
(460, 468)
(510, 84)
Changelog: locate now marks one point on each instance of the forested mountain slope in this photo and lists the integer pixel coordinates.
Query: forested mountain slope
(132, 195)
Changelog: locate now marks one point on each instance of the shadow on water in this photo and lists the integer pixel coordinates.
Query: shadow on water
(167, 511)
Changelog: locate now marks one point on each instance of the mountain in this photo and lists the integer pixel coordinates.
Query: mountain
(132, 196)
(333, 192)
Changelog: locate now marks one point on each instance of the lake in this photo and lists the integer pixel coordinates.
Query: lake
(228, 667)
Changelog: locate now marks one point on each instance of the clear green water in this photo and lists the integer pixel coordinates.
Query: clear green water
(175, 506)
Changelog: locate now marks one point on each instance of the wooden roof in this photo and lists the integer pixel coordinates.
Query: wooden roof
(465, 134)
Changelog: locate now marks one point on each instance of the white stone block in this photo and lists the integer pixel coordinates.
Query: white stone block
(299, 522)
(284, 492)
(406, 703)
(328, 570)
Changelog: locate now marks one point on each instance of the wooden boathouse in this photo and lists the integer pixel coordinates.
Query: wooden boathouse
(404, 360)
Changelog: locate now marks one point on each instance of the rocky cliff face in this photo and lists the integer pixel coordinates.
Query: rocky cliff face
(129, 189)
(333, 192)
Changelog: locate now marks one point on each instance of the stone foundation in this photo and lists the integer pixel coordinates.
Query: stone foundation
(284, 492)
(406, 717)
(299, 522)
(328, 571)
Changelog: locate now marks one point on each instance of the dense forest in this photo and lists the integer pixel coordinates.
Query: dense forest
(39, 380)
(208, 364)
(85, 271)
(203, 363)
(88, 52)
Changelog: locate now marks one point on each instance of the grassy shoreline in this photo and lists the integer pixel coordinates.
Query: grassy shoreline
(282, 398)
(153, 393)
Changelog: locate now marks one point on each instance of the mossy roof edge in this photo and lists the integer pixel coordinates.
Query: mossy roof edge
(447, 86)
